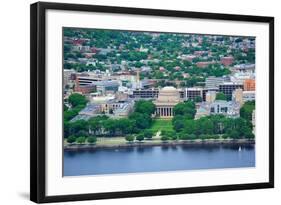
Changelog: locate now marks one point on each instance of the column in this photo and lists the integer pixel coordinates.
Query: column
(169, 114)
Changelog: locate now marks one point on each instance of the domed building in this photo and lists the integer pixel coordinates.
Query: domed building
(168, 97)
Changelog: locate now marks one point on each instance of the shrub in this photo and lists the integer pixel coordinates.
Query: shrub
(92, 139)
(148, 134)
(71, 139)
(81, 140)
(174, 137)
(140, 137)
(164, 138)
(130, 138)
(225, 136)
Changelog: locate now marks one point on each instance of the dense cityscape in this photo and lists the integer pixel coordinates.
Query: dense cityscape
(124, 88)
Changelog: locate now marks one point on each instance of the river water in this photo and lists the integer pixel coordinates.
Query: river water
(157, 158)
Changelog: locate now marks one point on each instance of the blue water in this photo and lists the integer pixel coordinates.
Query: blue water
(157, 158)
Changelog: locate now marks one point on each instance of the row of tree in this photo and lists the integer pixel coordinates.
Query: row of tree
(234, 128)
(81, 139)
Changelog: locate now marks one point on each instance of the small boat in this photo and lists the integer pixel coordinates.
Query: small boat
(239, 149)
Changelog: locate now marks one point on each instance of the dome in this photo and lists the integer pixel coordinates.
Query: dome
(168, 94)
(169, 88)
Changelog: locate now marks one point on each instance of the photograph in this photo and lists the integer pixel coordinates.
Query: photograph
(133, 102)
(143, 101)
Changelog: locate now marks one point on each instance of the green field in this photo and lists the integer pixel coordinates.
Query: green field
(161, 125)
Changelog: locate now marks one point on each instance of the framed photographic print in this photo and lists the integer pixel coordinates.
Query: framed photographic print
(129, 102)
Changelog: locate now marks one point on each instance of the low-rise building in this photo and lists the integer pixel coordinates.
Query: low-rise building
(227, 60)
(218, 107)
(249, 96)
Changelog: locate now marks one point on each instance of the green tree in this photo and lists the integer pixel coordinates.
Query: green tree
(78, 126)
(221, 96)
(71, 139)
(76, 99)
(110, 126)
(81, 140)
(130, 138)
(140, 137)
(144, 106)
(125, 126)
(94, 125)
(178, 122)
(142, 121)
(148, 134)
(164, 138)
(247, 110)
(92, 140)
(186, 108)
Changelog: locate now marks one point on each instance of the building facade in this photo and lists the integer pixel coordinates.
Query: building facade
(145, 93)
(228, 87)
(168, 97)
(249, 85)
(191, 93)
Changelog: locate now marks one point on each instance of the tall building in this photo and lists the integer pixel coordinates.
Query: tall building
(168, 97)
(249, 84)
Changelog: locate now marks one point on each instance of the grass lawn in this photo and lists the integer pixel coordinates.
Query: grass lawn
(161, 125)
(111, 140)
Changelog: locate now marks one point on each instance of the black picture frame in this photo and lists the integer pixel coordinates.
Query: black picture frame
(38, 101)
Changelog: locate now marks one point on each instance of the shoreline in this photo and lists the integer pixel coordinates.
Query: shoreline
(164, 144)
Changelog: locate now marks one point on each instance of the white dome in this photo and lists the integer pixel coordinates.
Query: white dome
(168, 94)
(169, 88)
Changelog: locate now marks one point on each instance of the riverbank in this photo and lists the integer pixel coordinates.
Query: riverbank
(160, 143)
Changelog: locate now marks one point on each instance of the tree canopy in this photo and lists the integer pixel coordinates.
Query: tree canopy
(247, 110)
(186, 109)
(76, 99)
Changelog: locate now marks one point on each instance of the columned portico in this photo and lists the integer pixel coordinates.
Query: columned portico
(168, 97)
(164, 111)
